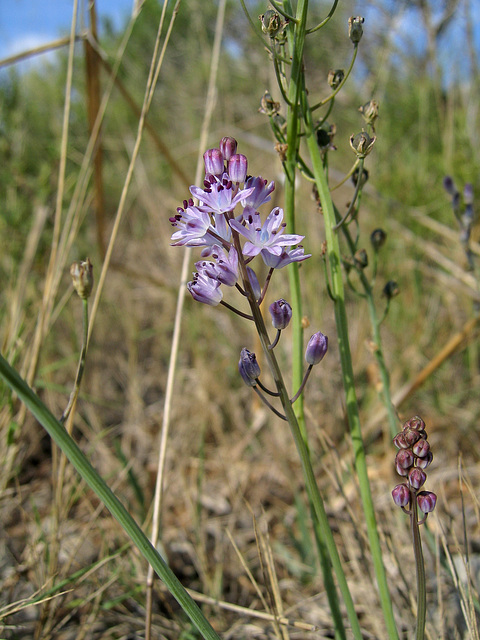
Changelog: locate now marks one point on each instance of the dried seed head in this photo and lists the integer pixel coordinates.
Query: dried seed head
(355, 28)
(335, 78)
(82, 278)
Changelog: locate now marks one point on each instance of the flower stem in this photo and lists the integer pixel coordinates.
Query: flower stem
(420, 567)
(336, 281)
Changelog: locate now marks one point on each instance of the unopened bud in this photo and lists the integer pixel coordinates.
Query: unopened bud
(237, 167)
(82, 278)
(316, 348)
(425, 462)
(468, 194)
(335, 78)
(355, 29)
(404, 460)
(228, 147)
(449, 185)
(391, 289)
(378, 238)
(426, 501)
(401, 495)
(362, 144)
(281, 313)
(213, 161)
(248, 367)
(400, 442)
(417, 477)
(421, 448)
(415, 424)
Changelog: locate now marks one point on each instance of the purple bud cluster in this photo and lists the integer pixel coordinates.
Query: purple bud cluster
(228, 203)
(413, 457)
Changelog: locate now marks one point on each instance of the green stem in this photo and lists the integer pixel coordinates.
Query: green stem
(323, 533)
(336, 281)
(66, 443)
(377, 340)
(296, 37)
(420, 566)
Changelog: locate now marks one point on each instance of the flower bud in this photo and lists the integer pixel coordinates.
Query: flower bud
(449, 185)
(248, 367)
(228, 147)
(425, 462)
(281, 313)
(404, 460)
(335, 78)
(415, 424)
(237, 167)
(391, 289)
(316, 348)
(401, 495)
(271, 23)
(400, 442)
(426, 501)
(468, 194)
(378, 238)
(369, 111)
(421, 448)
(82, 278)
(416, 477)
(411, 436)
(362, 144)
(355, 29)
(213, 161)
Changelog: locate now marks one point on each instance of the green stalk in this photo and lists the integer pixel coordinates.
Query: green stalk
(336, 282)
(377, 339)
(297, 42)
(323, 532)
(296, 36)
(66, 443)
(420, 567)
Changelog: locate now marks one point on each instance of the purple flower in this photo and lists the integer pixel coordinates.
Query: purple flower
(248, 367)
(225, 267)
(426, 501)
(281, 313)
(401, 495)
(316, 348)
(220, 195)
(260, 194)
(205, 289)
(285, 258)
(213, 161)
(228, 147)
(268, 237)
(237, 168)
(193, 224)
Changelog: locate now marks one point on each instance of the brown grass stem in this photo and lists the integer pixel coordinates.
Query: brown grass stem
(158, 496)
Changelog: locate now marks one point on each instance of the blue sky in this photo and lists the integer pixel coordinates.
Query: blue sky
(25, 24)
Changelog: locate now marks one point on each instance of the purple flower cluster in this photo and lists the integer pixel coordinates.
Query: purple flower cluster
(212, 223)
(413, 457)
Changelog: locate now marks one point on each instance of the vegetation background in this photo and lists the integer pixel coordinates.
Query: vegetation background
(234, 512)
